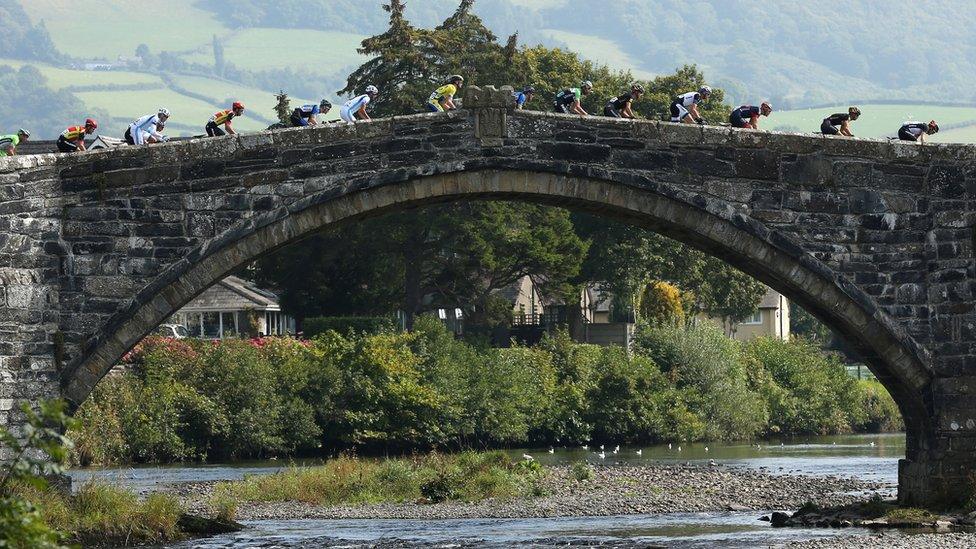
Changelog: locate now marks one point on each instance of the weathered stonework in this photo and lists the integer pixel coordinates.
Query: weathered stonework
(875, 238)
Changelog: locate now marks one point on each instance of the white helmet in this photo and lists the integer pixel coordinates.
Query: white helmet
(163, 111)
(705, 90)
(373, 90)
(586, 85)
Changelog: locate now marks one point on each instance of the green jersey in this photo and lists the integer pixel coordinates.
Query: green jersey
(7, 141)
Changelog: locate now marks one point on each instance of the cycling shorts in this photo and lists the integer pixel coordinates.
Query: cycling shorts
(679, 112)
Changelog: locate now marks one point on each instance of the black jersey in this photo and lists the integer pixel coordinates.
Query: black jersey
(838, 119)
(621, 101)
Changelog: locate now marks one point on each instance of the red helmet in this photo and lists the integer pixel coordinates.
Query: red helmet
(238, 106)
(90, 122)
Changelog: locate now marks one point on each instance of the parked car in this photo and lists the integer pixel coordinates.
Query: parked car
(172, 331)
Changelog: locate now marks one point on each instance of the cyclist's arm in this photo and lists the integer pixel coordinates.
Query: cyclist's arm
(312, 121)
(921, 138)
(845, 128)
(754, 121)
(361, 113)
(628, 112)
(228, 127)
(578, 108)
(81, 143)
(449, 103)
(694, 112)
(10, 150)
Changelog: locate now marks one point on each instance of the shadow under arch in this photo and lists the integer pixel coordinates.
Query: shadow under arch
(770, 256)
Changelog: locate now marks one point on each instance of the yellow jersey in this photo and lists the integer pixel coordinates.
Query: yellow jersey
(442, 93)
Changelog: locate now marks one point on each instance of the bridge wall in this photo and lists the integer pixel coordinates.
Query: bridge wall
(874, 237)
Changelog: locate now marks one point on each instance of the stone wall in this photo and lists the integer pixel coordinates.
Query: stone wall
(874, 237)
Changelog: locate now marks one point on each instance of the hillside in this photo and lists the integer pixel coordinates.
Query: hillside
(792, 54)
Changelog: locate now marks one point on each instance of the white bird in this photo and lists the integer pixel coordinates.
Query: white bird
(758, 447)
(601, 446)
(552, 450)
(586, 446)
(679, 448)
(602, 454)
(711, 463)
(617, 449)
(639, 452)
(872, 444)
(706, 449)
(669, 446)
(527, 457)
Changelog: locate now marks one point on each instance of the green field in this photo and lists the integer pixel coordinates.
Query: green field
(878, 120)
(105, 28)
(959, 135)
(62, 78)
(319, 52)
(599, 50)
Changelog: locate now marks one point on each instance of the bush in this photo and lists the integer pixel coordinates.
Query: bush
(660, 303)
(582, 471)
(345, 325)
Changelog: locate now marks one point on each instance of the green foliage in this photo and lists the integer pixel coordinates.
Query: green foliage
(660, 303)
(345, 324)
(582, 471)
(806, 325)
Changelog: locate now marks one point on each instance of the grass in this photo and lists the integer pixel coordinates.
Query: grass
(599, 50)
(119, 26)
(965, 134)
(909, 516)
(318, 52)
(58, 78)
(879, 120)
(108, 515)
(467, 476)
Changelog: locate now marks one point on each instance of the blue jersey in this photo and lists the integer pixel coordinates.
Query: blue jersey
(520, 99)
(747, 111)
(306, 111)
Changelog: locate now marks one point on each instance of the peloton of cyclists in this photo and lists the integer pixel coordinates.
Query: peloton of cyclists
(913, 130)
(442, 99)
(355, 108)
(568, 101)
(747, 116)
(73, 138)
(622, 105)
(223, 118)
(305, 115)
(840, 123)
(684, 108)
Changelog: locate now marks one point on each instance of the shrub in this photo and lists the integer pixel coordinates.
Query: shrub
(661, 303)
(582, 471)
(345, 325)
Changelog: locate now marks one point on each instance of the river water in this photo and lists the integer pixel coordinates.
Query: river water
(868, 457)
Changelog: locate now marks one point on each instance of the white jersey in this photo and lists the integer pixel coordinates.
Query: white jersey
(351, 107)
(142, 128)
(689, 99)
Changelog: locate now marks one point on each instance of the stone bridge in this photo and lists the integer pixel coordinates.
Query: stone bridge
(873, 237)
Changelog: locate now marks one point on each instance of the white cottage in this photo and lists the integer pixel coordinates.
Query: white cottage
(231, 308)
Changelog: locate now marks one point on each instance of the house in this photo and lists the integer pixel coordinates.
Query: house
(772, 319)
(231, 308)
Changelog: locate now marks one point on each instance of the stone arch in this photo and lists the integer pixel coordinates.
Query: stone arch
(770, 256)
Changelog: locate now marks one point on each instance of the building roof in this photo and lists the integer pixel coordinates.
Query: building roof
(771, 300)
(232, 294)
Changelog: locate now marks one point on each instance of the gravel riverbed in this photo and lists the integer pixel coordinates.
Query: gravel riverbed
(616, 490)
(892, 540)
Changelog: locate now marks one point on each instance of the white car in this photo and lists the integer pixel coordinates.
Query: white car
(172, 331)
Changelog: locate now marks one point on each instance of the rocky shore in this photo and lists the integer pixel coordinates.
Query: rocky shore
(617, 490)
(892, 541)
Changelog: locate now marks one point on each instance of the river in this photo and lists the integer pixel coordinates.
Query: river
(868, 457)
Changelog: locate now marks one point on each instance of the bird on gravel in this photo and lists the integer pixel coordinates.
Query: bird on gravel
(552, 450)
(586, 446)
(706, 449)
(872, 444)
(527, 457)
(601, 446)
(617, 449)
(602, 454)
(640, 452)
(711, 463)
(679, 448)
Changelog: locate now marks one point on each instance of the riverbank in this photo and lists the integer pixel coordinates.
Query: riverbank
(889, 541)
(610, 490)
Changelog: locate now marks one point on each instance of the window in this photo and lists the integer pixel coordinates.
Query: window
(228, 325)
(211, 325)
(755, 319)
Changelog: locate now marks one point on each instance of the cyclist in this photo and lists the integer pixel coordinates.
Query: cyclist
(568, 100)
(916, 131)
(684, 108)
(840, 123)
(73, 138)
(747, 116)
(146, 129)
(523, 97)
(305, 115)
(9, 143)
(621, 106)
(442, 99)
(223, 118)
(355, 108)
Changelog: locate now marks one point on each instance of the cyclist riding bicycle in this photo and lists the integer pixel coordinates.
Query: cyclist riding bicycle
(223, 118)
(684, 108)
(568, 100)
(146, 129)
(914, 130)
(355, 108)
(523, 97)
(621, 106)
(73, 139)
(747, 116)
(442, 99)
(305, 115)
(9, 143)
(840, 123)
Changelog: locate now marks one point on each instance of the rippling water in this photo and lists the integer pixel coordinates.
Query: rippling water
(868, 457)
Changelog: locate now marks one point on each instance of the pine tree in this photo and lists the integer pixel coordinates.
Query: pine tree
(283, 107)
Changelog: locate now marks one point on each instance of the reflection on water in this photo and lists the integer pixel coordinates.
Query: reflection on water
(869, 457)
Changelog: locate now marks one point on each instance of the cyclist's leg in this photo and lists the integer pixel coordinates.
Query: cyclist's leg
(827, 128)
(128, 136)
(737, 121)
(906, 135)
(677, 112)
(434, 107)
(347, 116)
(66, 146)
(611, 112)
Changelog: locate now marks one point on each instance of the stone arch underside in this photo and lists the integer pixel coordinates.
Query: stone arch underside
(772, 257)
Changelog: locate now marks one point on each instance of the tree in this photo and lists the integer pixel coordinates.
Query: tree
(282, 107)
(661, 303)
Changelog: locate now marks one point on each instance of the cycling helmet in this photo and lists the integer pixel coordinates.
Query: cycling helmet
(705, 90)
(372, 90)
(237, 106)
(163, 111)
(23, 132)
(455, 78)
(528, 89)
(90, 122)
(586, 85)
(637, 88)
(325, 104)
